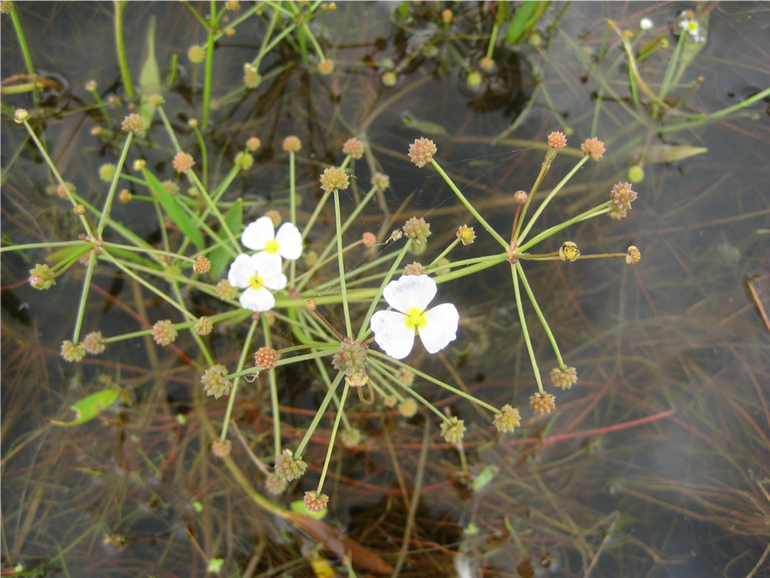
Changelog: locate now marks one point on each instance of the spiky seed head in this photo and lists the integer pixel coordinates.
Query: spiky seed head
(135, 123)
(163, 332)
(266, 358)
(350, 357)
(594, 148)
(94, 343)
(380, 180)
(557, 140)
(415, 269)
(215, 382)
(334, 178)
(221, 449)
(288, 468)
(275, 485)
(183, 162)
(204, 326)
(353, 147)
(564, 379)
(542, 404)
(71, 352)
(226, 291)
(507, 419)
(202, 265)
(41, 277)
(453, 430)
(421, 151)
(622, 195)
(417, 229)
(315, 502)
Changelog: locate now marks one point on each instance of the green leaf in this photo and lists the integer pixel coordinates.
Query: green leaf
(485, 476)
(520, 21)
(424, 126)
(660, 154)
(220, 256)
(173, 209)
(149, 80)
(89, 407)
(67, 254)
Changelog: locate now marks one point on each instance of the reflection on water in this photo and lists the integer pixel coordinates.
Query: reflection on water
(656, 463)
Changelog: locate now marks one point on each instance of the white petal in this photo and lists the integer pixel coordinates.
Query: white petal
(257, 299)
(258, 233)
(392, 334)
(410, 291)
(289, 242)
(274, 281)
(266, 264)
(240, 271)
(441, 327)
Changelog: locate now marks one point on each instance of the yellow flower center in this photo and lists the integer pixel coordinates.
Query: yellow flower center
(415, 319)
(271, 247)
(256, 282)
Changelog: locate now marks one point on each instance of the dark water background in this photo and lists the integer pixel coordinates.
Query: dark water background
(679, 335)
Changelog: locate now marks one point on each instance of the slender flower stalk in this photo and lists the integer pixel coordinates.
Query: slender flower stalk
(234, 391)
(523, 321)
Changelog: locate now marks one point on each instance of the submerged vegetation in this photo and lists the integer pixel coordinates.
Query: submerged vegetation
(252, 224)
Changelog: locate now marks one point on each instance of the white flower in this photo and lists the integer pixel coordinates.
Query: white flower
(260, 236)
(645, 23)
(686, 22)
(257, 273)
(394, 331)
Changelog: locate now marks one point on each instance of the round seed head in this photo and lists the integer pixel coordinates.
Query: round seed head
(594, 148)
(326, 67)
(418, 230)
(350, 357)
(353, 147)
(135, 123)
(334, 178)
(292, 144)
(288, 468)
(315, 502)
(214, 381)
(163, 332)
(226, 291)
(183, 162)
(557, 140)
(71, 352)
(94, 343)
(253, 144)
(542, 404)
(507, 419)
(204, 326)
(380, 181)
(564, 379)
(408, 407)
(369, 239)
(453, 430)
(421, 151)
(415, 269)
(266, 358)
(196, 53)
(221, 449)
(202, 265)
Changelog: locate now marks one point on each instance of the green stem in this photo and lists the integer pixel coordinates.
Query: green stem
(236, 381)
(292, 209)
(158, 292)
(492, 40)
(100, 104)
(468, 206)
(197, 338)
(446, 251)
(314, 216)
(204, 155)
(330, 449)
(121, 48)
(532, 299)
(59, 178)
(209, 66)
(341, 263)
(113, 187)
(550, 196)
(273, 392)
(596, 211)
(523, 321)
(84, 297)
(214, 209)
(318, 415)
(42, 246)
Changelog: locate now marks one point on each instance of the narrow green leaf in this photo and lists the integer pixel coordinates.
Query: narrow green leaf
(424, 126)
(518, 25)
(220, 257)
(149, 80)
(173, 209)
(90, 407)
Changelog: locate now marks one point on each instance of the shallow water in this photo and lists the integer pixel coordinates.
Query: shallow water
(654, 464)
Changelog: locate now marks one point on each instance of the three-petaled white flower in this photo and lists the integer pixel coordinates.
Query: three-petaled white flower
(261, 236)
(257, 274)
(394, 331)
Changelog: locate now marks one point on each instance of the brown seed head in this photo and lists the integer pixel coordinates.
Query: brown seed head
(288, 468)
(183, 162)
(311, 305)
(326, 67)
(564, 379)
(202, 265)
(292, 144)
(214, 381)
(125, 196)
(415, 269)
(594, 148)
(353, 147)
(369, 239)
(221, 449)
(557, 140)
(421, 151)
(315, 502)
(507, 419)
(542, 403)
(334, 178)
(266, 358)
(80, 210)
(164, 332)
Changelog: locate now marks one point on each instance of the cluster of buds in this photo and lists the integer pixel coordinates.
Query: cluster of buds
(622, 196)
